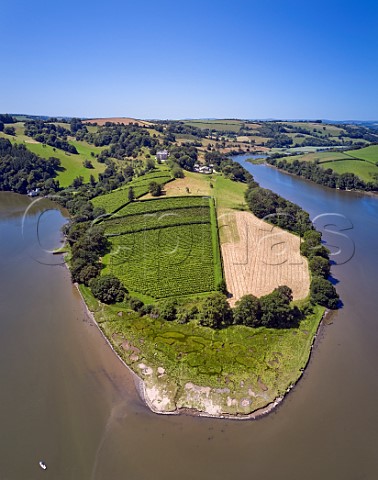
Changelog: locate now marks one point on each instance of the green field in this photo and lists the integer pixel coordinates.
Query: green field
(369, 154)
(317, 156)
(165, 251)
(361, 162)
(85, 148)
(320, 128)
(234, 198)
(119, 198)
(362, 169)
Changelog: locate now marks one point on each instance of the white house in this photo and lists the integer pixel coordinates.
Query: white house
(162, 155)
(205, 169)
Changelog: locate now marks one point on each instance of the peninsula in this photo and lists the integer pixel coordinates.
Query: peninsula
(209, 287)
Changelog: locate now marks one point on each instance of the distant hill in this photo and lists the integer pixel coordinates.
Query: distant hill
(121, 120)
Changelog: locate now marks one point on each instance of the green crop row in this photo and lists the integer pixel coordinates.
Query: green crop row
(159, 219)
(167, 203)
(165, 262)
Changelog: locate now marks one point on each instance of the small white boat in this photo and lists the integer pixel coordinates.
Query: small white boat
(43, 465)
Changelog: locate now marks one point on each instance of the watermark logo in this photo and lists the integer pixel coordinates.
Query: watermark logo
(174, 247)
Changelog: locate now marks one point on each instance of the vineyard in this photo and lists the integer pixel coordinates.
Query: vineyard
(159, 219)
(117, 199)
(165, 247)
(151, 206)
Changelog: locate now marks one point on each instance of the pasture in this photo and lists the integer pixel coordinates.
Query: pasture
(361, 162)
(363, 169)
(370, 154)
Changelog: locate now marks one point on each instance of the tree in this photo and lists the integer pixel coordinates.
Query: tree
(136, 304)
(320, 266)
(108, 289)
(168, 310)
(87, 164)
(216, 312)
(155, 189)
(150, 164)
(275, 308)
(78, 181)
(324, 293)
(131, 194)
(312, 244)
(75, 125)
(10, 131)
(177, 172)
(247, 311)
(88, 272)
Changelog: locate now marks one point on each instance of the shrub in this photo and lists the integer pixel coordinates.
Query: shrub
(108, 289)
(136, 304)
(216, 312)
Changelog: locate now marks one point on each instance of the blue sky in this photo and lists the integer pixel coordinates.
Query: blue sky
(194, 59)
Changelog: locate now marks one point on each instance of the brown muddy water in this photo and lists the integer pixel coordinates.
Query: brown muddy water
(65, 398)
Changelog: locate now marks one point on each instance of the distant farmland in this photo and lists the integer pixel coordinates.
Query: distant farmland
(362, 162)
(121, 120)
(219, 125)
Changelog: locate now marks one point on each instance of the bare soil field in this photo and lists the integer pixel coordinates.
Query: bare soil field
(121, 120)
(259, 257)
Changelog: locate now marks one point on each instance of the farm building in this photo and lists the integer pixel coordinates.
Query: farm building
(205, 169)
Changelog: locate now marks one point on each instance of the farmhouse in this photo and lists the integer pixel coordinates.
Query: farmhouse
(162, 155)
(205, 169)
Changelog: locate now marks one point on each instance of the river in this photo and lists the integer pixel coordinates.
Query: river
(65, 398)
